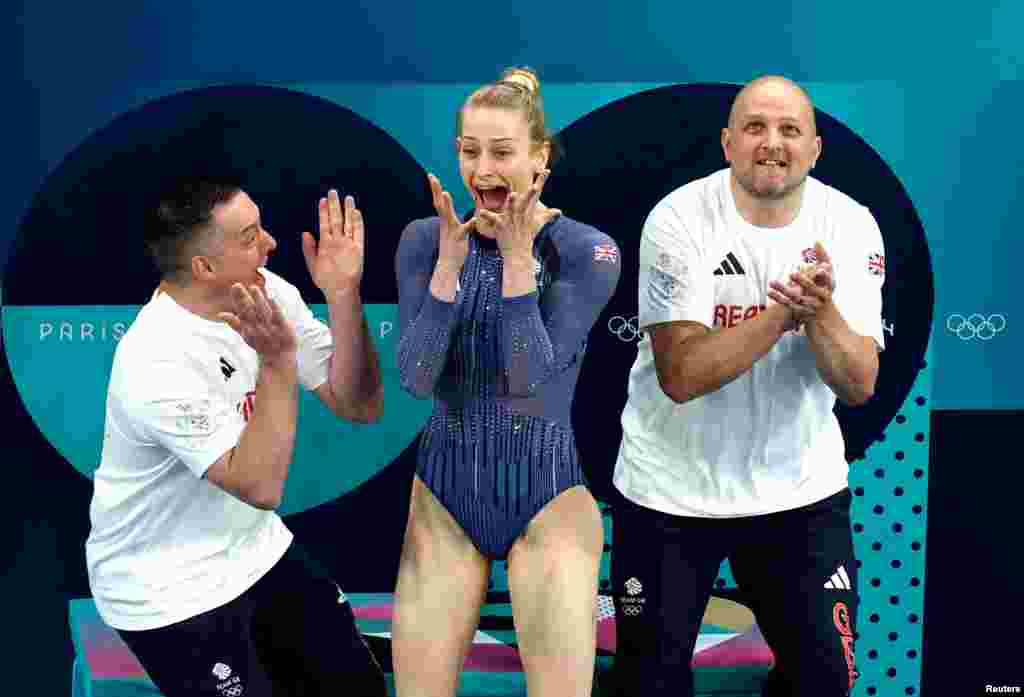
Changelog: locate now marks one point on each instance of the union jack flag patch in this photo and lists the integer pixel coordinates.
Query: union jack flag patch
(606, 252)
(876, 265)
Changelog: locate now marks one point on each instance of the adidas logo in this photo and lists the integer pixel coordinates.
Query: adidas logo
(730, 266)
(839, 581)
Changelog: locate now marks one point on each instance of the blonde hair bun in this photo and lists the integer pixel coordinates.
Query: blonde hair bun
(522, 76)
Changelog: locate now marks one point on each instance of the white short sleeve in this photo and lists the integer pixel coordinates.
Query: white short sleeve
(179, 412)
(673, 284)
(316, 345)
(860, 273)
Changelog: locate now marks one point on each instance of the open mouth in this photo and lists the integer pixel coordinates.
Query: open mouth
(492, 198)
(772, 164)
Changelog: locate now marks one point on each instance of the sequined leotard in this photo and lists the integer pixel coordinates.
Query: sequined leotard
(499, 444)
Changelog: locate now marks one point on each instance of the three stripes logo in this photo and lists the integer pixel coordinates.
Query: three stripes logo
(839, 581)
(730, 266)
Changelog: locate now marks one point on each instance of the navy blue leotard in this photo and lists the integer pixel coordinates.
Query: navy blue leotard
(499, 444)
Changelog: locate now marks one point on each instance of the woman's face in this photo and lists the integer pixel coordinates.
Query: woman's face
(496, 156)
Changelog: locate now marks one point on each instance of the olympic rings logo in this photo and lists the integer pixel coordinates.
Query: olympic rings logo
(631, 610)
(625, 329)
(976, 326)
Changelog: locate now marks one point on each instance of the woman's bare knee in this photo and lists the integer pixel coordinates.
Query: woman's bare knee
(553, 574)
(442, 580)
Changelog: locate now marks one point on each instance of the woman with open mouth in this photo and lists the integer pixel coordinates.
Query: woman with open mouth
(494, 315)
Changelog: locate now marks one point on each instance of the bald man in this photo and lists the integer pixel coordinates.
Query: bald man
(760, 302)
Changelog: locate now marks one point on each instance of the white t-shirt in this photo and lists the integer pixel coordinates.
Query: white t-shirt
(166, 544)
(768, 441)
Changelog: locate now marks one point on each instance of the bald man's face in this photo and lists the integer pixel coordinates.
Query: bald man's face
(771, 143)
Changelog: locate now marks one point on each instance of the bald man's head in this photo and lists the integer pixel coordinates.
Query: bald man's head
(778, 87)
(771, 142)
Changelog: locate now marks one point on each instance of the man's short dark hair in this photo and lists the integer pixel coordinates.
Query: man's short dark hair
(183, 213)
